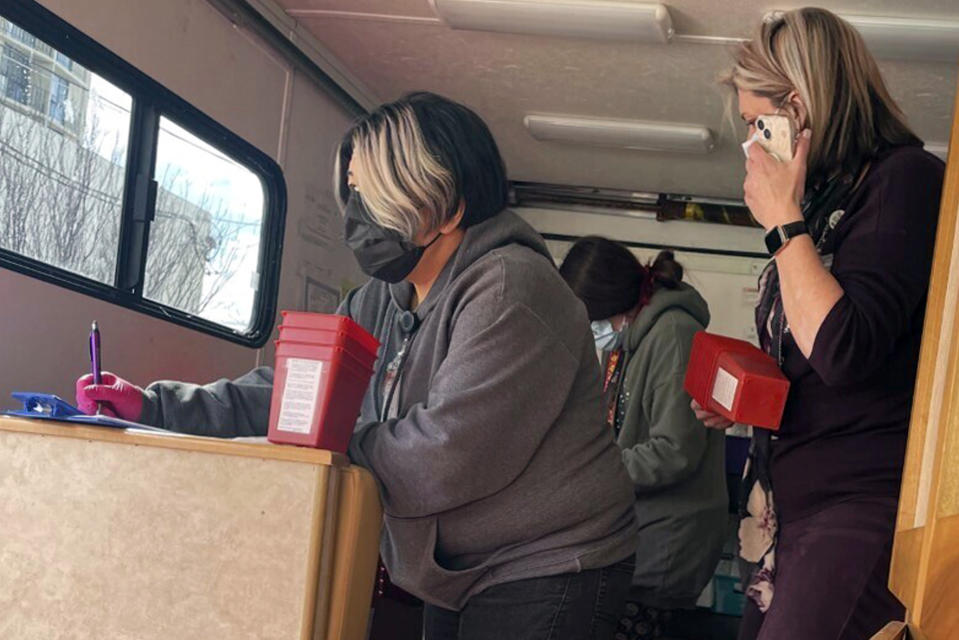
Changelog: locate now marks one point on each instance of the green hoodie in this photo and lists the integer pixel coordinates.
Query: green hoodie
(676, 464)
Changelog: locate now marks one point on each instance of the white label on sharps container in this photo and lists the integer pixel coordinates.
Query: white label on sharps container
(724, 389)
(299, 395)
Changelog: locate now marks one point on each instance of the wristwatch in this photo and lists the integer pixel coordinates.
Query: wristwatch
(778, 236)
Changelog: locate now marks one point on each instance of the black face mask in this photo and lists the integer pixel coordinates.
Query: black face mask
(382, 253)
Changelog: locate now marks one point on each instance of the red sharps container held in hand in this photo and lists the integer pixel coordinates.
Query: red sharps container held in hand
(736, 380)
(323, 367)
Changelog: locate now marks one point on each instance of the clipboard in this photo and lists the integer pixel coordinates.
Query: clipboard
(48, 406)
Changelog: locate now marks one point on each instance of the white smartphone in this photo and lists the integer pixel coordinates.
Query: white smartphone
(777, 136)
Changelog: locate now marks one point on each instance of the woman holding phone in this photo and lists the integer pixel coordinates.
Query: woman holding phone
(851, 222)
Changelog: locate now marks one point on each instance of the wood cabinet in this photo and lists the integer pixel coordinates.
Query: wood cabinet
(112, 534)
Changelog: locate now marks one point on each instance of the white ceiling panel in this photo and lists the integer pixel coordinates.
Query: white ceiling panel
(396, 46)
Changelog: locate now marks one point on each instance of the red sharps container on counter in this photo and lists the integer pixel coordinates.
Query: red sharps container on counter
(737, 380)
(323, 367)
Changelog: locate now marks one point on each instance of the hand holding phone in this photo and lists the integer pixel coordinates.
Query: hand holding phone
(776, 135)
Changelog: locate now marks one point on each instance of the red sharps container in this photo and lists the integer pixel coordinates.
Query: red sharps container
(323, 367)
(735, 379)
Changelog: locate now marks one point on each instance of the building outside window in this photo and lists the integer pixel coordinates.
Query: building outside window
(209, 256)
(59, 95)
(15, 69)
(63, 61)
(21, 35)
(48, 83)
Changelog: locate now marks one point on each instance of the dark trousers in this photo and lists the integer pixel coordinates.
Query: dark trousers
(570, 606)
(831, 573)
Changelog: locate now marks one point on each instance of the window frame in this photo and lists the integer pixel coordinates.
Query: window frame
(150, 101)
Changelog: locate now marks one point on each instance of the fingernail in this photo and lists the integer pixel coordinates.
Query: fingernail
(807, 133)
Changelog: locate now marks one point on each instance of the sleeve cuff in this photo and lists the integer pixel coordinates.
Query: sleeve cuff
(828, 343)
(150, 413)
(355, 450)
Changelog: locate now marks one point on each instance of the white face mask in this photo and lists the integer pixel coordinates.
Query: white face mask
(606, 337)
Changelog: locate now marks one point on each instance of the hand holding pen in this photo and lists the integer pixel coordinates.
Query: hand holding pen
(102, 392)
(95, 357)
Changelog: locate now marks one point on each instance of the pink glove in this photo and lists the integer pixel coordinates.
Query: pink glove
(117, 397)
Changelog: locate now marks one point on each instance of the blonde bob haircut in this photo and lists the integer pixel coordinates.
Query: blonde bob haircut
(825, 61)
(423, 158)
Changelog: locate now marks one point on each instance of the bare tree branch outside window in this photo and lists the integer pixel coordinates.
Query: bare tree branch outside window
(62, 159)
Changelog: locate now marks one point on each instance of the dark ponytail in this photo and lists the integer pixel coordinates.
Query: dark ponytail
(665, 271)
(609, 279)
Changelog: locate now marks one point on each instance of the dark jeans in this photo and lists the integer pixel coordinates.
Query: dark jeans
(569, 606)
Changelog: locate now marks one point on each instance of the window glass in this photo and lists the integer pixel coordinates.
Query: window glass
(76, 208)
(62, 159)
(204, 250)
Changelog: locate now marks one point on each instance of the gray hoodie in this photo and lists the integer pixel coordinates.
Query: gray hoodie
(676, 464)
(498, 467)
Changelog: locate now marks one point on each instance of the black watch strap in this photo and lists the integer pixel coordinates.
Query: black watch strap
(778, 236)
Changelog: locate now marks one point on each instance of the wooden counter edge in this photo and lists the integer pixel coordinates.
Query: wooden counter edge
(222, 446)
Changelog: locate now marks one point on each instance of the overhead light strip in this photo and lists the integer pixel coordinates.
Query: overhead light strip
(633, 21)
(920, 39)
(638, 135)
(909, 39)
(722, 41)
(333, 14)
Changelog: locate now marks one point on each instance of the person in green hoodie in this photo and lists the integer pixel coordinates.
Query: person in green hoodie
(643, 320)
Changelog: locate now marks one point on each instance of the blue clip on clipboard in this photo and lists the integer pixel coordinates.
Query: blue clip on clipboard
(43, 405)
(47, 406)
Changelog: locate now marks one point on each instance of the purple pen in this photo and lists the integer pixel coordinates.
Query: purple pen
(95, 353)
